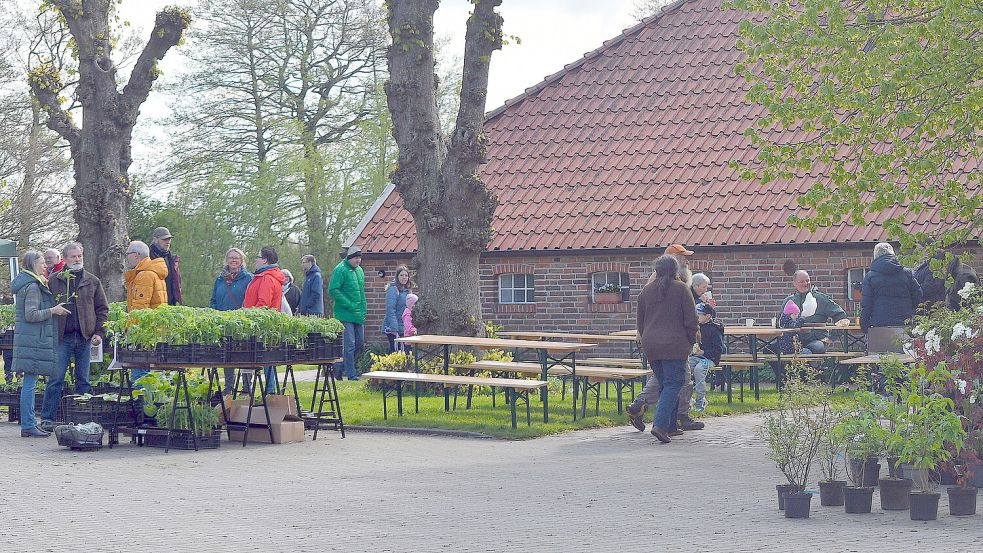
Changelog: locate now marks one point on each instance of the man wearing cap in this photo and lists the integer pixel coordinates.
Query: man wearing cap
(160, 247)
(347, 287)
(682, 256)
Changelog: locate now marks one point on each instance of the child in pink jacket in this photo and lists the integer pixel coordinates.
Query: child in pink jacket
(408, 328)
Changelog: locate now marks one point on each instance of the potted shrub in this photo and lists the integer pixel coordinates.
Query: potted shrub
(831, 449)
(610, 293)
(861, 432)
(962, 496)
(932, 431)
(894, 489)
(794, 433)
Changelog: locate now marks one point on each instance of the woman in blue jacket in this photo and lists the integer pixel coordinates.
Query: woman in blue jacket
(890, 296)
(228, 293)
(396, 292)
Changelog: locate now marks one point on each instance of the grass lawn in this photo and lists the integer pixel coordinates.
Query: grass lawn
(364, 407)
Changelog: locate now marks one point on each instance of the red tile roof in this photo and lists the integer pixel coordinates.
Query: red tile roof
(629, 148)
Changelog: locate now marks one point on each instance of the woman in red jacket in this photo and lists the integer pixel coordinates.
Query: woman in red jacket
(266, 290)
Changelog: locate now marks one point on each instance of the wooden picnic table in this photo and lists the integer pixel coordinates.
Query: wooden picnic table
(568, 336)
(878, 358)
(550, 354)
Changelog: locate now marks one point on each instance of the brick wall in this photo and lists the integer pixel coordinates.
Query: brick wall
(746, 282)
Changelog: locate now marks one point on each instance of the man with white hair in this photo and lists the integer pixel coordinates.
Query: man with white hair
(890, 295)
(55, 264)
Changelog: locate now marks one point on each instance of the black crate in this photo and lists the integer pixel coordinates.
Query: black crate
(98, 410)
(175, 355)
(241, 351)
(7, 339)
(272, 354)
(133, 356)
(182, 439)
(208, 354)
(10, 398)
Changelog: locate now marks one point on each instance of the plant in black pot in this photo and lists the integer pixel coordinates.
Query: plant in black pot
(831, 450)
(962, 496)
(862, 434)
(932, 433)
(894, 489)
(794, 433)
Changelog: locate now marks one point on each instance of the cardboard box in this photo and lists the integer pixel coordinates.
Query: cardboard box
(287, 426)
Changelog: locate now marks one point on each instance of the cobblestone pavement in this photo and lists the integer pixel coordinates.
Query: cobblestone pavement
(600, 490)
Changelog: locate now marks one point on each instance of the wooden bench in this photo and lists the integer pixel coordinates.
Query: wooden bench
(515, 388)
(731, 366)
(614, 362)
(590, 377)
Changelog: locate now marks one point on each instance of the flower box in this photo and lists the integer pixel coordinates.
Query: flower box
(607, 297)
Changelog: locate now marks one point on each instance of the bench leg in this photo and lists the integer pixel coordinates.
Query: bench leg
(621, 387)
(729, 381)
(385, 403)
(528, 414)
(511, 394)
(756, 383)
(399, 397)
(546, 404)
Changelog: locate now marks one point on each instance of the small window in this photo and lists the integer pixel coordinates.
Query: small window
(612, 282)
(516, 288)
(854, 282)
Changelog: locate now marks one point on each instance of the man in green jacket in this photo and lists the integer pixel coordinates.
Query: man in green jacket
(347, 287)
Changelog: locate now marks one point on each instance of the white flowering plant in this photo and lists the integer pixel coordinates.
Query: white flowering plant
(955, 339)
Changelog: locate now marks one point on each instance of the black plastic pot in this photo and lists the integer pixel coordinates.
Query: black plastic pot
(784, 489)
(797, 504)
(962, 501)
(857, 500)
(894, 493)
(831, 493)
(871, 468)
(924, 506)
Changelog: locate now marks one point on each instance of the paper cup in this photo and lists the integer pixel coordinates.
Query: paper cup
(774, 322)
(748, 322)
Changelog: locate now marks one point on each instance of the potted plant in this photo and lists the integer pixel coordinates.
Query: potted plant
(794, 433)
(932, 432)
(831, 449)
(861, 432)
(609, 293)
(894, 489)
(962, 496)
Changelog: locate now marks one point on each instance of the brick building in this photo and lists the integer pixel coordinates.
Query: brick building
(602, 165)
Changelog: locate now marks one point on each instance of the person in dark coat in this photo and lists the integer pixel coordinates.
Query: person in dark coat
(312, 293)
(83, 327)
(396, 292)
(291, 293)
(34, 335)
(933, 287)
(961, 274)
(890, 291)
(160, 247)
(667, 327)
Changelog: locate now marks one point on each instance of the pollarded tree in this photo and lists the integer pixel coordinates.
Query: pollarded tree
(437, 176)
(888, 99)
(100, 146)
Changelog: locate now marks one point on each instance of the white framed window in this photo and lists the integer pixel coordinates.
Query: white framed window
(602, 280)
(516, 288)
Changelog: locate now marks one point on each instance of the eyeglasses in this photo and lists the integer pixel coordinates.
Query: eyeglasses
(132, 253)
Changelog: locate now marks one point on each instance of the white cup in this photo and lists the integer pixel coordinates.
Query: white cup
(774, 322)
(748, 322)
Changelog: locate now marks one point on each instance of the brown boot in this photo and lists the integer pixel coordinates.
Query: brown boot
(687, 423)
(661, 434)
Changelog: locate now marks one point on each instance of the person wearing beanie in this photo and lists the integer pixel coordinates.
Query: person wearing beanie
(347, 287)
(706, 353)
(408, 328)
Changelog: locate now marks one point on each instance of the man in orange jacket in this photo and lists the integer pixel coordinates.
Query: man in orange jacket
(145, 288)
(266, 290)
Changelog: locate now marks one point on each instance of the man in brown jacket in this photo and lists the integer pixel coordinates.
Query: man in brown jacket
(83, 326)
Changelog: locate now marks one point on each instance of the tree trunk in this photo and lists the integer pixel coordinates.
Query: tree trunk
(101, 146)
(438, 179)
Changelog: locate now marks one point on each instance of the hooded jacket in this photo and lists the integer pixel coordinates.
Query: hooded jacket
(90, 305)
(266, 288)
(312, 295)
(348, 290)
(890, 294)
(145, 284)
(395, 304)
(816, 308)
(173, 278)
(228, 295)
(34, 328)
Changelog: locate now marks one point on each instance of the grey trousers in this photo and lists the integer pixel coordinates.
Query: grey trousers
(653, 388)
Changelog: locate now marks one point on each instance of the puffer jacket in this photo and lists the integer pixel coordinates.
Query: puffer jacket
(312, 295)
(347, 287)
(145, 286)
(228, 295)
(395, 305)
(34, 327)
(266, 288)
(890, 294)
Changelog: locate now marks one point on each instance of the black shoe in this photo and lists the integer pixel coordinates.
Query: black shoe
(674, 433)
(636, 419)
(661, 434)
(34, 433)
(47, 426)
(690, 424)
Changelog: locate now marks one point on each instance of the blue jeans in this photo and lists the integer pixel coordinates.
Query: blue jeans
(354, 339)
(27, 419)
(72, 345)
(270, 374)
(671, 373)
(699, 367)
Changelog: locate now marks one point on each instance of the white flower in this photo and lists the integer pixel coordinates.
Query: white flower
(908, 349)
(962, 331)
(962, 385)
(967, 291)
(972, 399)
(917, 331)
(933, 342)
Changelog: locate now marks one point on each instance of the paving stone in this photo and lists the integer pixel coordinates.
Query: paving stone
(602, 490)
